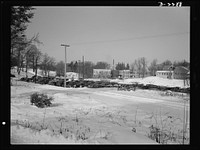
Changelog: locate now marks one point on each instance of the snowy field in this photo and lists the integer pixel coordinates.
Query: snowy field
(155, 81)
(95, 116)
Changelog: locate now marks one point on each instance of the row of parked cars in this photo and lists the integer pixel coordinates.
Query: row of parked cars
(100, 84)
(69, 83)
(127, 87)
(37, 79)
(133, 86)
(164, 88)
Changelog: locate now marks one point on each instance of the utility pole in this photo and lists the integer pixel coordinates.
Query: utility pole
(79, 69)
(184, 122)
(83, 67)
(113, 65)
(65, 63)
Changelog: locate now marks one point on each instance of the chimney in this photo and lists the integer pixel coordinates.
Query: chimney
(113, 65)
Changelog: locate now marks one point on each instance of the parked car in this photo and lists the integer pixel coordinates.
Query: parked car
(23, 79)
(60, 82)
(12, 75)
(52, 82)
(43, 80)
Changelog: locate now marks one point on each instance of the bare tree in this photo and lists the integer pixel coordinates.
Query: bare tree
(101, 65)
(60, 68)
(44, 63)
(153, 67)
(127, 66)
(122, 66)
(51, 64)
(182, 63)
(38, 55)
(166, 63)
(88, 69)
(18, 55)
(143, 66)
(133, 66)
(138, 66)
(29, 52)
(20, 50)
(48, 63)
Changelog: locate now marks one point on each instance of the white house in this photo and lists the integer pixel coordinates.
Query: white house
(52, 73)
(178, 72)
(165, 74)
(72, 75)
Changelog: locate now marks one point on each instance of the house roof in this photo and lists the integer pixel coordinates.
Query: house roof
(163, 71)
(124, 70)
(181, 68)
(107, 70)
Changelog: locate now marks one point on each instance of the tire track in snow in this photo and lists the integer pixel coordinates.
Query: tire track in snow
(138, 99)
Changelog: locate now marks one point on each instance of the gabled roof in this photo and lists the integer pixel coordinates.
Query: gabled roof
(163, 71)
(182, 67)
(101, 70)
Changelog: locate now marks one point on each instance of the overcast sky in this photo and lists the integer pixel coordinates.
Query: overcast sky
(120, 33)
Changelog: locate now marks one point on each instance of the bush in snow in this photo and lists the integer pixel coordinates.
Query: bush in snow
(40, 100)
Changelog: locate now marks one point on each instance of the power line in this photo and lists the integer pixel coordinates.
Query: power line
(132, 38)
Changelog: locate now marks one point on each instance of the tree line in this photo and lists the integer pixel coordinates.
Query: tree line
(25, 53)
(22, 48)
(140, 66)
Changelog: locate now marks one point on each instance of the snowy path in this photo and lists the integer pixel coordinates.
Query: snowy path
(137, 99)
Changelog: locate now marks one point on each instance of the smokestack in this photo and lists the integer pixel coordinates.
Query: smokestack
(83, 66)
(113, 65)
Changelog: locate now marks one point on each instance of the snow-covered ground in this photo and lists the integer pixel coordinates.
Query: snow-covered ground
(26, 119)
(87, 116)
(149, 80)
(95, 116)
(155, 81)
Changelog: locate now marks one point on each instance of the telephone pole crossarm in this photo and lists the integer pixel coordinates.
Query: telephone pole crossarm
(65, 45)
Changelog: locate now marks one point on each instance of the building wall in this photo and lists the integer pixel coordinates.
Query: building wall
(178, 73)
(134, 74)
(165, 74)
(101, 73)
(124, 73)
(114, 73)
(71, 75)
